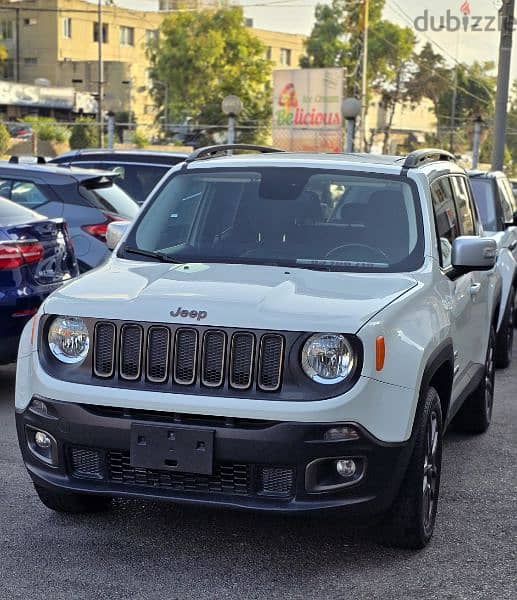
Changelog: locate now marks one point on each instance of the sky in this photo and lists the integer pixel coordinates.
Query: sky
(297, 16)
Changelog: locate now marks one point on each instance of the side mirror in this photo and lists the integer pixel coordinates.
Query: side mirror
(116, 232)
(472, 253)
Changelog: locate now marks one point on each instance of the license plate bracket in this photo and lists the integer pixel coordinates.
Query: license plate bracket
(172, 448)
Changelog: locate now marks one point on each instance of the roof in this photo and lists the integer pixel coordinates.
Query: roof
(55, 170)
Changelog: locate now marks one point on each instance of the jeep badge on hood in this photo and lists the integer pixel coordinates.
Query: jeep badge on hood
(192, 314)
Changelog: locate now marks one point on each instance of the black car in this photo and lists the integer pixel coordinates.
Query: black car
(138, 170)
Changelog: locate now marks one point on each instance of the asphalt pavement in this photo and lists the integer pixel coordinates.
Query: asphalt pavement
(157, 551)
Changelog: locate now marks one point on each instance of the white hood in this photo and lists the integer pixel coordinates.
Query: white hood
(247, 296)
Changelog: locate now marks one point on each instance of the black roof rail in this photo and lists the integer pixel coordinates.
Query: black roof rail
(211, 151)
(427, 155)
(40, 160)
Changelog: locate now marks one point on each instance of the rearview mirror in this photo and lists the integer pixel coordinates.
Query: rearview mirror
(472, 253)
(116, 232)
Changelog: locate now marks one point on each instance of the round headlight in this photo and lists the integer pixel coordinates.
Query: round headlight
(68, 339)
(328, 358)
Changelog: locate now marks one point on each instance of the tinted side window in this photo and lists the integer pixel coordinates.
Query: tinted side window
(445, 217)
(463, 206)
(506, 201)
(28, 194)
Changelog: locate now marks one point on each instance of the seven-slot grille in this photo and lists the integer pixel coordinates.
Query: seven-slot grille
(210, 357)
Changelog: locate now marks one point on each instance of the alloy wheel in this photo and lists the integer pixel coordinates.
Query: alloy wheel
(431, 470)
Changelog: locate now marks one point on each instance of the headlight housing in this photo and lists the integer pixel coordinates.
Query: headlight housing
(68, 339)
(328, 358)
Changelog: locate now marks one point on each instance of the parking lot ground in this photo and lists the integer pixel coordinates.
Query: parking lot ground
(158, 551)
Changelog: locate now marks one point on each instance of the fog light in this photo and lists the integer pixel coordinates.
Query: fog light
(341, 434)
(346, 468)
(42, 440)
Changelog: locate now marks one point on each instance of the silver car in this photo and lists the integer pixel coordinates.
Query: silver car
(497, 208)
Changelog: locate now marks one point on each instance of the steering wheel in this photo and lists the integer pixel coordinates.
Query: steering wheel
(374, 253)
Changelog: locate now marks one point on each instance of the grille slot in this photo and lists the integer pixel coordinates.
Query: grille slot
(241, 361)
(185, 356)
(276, 481)
(86, 463)
(212, 370)
(130, 352)
(270, 362)
(104, 350)
(230, 479)
(158, 351)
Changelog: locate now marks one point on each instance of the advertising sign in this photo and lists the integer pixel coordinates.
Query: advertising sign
(307, 109)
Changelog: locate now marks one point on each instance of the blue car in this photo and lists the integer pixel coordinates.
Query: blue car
(36, 257)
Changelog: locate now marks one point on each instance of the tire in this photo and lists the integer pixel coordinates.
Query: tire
(410, 521)
(476, 413)
(504, 342)
(72, 503)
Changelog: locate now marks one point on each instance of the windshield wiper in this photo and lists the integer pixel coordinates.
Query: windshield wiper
(150, 254)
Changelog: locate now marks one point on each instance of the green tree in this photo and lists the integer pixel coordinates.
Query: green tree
(430, 79)
(5, 139)
(203, 57)
(85, 134)
(511, 129)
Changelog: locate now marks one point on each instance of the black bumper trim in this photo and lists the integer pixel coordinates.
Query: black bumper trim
(257, 444)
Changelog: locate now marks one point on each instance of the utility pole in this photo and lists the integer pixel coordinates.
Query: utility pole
(17, 58)
(503, 83)
(364, 81)
(453, 110)
(100, 70)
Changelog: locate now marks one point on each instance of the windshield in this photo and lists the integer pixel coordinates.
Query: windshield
(111, 199)
(483, 190)
(285, 216)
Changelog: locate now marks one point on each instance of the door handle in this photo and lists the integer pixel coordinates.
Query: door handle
(474, 289)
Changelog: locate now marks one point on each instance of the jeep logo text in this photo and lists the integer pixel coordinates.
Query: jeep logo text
(192, 314)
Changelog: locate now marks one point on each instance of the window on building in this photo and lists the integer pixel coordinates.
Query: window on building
(105, 33)
(67, 27)
(8, 69)
(285, 57)
(127, 36)
(7, 30)
(268, 53)
(28, 22)
(151, 36)
(30, 60)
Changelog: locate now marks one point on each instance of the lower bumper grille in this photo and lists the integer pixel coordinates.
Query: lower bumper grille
(231, 479)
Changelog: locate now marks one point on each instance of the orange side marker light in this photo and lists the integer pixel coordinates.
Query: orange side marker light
(34, 326)
(380, 353)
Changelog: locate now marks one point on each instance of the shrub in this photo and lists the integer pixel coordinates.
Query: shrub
(139, 139)
(85, 134)
(48, 130)
(5, 139)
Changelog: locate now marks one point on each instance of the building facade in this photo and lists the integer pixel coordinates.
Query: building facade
(58, 40)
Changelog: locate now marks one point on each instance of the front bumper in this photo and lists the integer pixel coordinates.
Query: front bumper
(257, 464)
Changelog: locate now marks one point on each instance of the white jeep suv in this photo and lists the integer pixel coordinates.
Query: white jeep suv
(276, 331)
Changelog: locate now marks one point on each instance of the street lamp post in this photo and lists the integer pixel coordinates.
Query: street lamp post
(476, 142)
(232, 107)
(351, 109)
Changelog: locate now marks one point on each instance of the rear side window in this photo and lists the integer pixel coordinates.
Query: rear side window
(463, 206)
(137, 180)
(25, 193)
(447, 227)
(111, 199)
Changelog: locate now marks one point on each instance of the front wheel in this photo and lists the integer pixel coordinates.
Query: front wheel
(410, 521)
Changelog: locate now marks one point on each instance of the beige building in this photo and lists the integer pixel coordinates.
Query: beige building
(58, 40)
